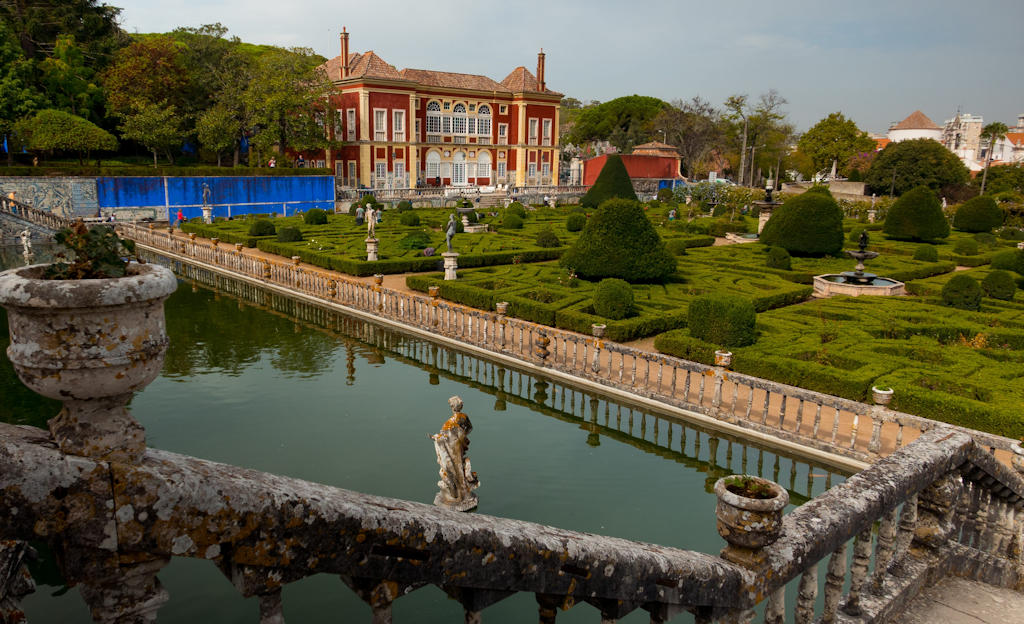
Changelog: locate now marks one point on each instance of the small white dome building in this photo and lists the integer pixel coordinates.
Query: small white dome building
(915, 126)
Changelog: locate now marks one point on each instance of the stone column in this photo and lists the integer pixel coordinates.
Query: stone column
(451, 263)
(207, 214)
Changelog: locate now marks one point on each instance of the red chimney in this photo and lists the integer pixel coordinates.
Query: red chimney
(540, 70)
(344, 53)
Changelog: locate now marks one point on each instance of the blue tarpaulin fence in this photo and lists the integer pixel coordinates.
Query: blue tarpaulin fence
(229, 196)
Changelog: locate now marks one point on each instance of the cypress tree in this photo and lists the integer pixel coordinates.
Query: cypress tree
(619, 241)
(612, 182)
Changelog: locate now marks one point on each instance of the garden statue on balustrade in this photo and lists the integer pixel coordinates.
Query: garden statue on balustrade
(457, 477)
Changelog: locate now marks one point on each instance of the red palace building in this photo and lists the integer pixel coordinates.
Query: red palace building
(419, 127)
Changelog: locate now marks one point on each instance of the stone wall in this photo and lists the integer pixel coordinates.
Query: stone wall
(65, 196)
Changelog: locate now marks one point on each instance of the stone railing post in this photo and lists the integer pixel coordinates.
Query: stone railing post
(15, 579)
(936, 507)
(598, 331)
(502, 309)
(125, 594)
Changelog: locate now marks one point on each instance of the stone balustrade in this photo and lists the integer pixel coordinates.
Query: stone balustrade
(25, 212)
(829, 424)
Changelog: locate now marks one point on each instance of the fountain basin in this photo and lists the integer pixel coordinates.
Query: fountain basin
(848, 284)
(741, 238)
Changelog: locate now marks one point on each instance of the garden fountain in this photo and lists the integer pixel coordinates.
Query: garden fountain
(765, 208)
(857, 282)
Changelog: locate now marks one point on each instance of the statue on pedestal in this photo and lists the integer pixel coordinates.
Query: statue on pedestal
(457, 477)
(450, 231)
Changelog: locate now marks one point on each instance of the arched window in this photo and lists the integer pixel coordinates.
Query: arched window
(459, 119)
(433, 118)
(483, 167)
(433, 165)
(483, 120)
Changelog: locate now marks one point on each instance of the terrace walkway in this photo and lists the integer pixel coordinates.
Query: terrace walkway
(959, 601)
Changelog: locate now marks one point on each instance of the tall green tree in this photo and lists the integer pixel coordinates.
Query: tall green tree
(18, 97)
(148, 71)
(286, 101)
(834, 139)
(158, 127)
(692, 127)
(38, 23)
(994, 132)
(217, 130)
(760, 133)
(54, 130)
(624, 122)
(69, 81)
(903, 166)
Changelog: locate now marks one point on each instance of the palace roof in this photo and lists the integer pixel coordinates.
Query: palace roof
(916, 121)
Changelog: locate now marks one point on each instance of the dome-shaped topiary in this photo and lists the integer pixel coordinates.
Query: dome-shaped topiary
(409, 218)
(613, 299)
(315, 216)
(1009, 260)
(613, 182)
(724, 320)
(917, 216)
(810, 224)
(999, 285)
(821, 189)
(676, 247)
(926, 253)
(289, 235)
(517, 209)
(262, 227)
(547, 238)
(962, 292)
(575, 222)
(778, 258)
(619, 241)
(404, 205)
(512, 222)
(368, 200)
(665, 194)
(966, 247)
(978, 214)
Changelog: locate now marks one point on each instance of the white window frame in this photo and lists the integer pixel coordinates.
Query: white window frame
(533, 125)
(503, 134)
(433, 166)
(446, 124)
(502, 170)
(418, 134)
(398, 126)
(380, 170)
(483, 121)
(547, 131)
(399, 167)
(531, 170)
(380, 124)
(339, 124)
(350, 130)
(352, 177)
(503, 109)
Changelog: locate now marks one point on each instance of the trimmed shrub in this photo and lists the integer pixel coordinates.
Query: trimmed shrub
(962, 292)
(289, 235)
(547, 238)
(315, 216)
(724, 320)
(575, 222)
(810, 224)
(1011, 233)
(404, 206)
(512, 221)
(979, 214)
(619, 241)
(409, 218)
(820, 189)
(986, 239)
(676, 247)
(999, 285)
(262, 227)
(517, 209)
(471, 216)
(1009, 260)
(917, 216)
(415, 240)
(966, 247)
(926, 253)
(665, 194)
(778, 258)
(613, 299)
(367, 200)
(613, 182)
(855, 233)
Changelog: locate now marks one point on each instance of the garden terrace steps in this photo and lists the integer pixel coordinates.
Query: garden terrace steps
(801, 420)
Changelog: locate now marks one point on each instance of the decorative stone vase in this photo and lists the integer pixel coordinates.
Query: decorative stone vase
(215, 241)
(238, 247)
(296, 260)
(881, 396)
(501, 307)
(434, 291)
(191, 236)
(598, 329)
(723, 358)
(89, 344)
(748, 523)
(378, 278)
(1018, 457)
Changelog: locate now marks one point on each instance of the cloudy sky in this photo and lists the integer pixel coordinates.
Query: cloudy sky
(876, 61)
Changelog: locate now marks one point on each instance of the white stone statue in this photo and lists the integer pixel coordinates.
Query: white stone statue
(457, 477)
(371, 222)
(26, 241)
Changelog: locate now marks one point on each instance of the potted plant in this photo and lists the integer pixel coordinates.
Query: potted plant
(749, 511)
(723, 358)
(881, 396)
(89, 332)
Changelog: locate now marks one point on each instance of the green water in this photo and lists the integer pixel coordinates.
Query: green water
(261, 381)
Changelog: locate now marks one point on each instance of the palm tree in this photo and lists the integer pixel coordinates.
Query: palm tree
(995, 132)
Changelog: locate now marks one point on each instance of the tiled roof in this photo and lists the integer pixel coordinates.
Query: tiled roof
(1017, 138)
(916, 121)
(521, 80)
(451, 80)
(365, 65)
(654, 145)
(880, 144)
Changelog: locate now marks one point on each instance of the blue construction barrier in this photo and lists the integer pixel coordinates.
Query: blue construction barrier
(229, 196)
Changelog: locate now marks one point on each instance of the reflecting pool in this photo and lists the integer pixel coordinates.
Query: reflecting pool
(263, 381)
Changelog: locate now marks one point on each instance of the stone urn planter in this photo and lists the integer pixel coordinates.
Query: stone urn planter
(434, 291)
(723, 358)
(881, 396)
(191, 236)
(215, 241)
(238, 247)
(378, 278)
(501, 307)
(598, 330)
(749, 514)
(90, 344)
(296, 260)
(1018, 457)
